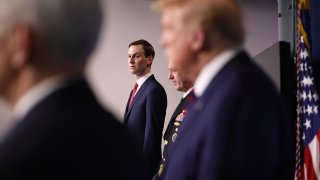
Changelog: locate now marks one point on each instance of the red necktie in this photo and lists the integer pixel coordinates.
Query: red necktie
(133, 93)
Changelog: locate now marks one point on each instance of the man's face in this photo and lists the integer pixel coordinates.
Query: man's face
(179, 82)
(176, 40)
(138, 63)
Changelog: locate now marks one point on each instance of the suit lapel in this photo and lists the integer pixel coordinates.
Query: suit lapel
(196, 109)
(178, 110)
(125, 113)
(138, 94)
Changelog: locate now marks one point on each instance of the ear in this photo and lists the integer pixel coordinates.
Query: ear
(20, 45)
(198, 38)
(149, 60)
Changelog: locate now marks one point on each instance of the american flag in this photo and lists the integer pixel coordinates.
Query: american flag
(308, 118)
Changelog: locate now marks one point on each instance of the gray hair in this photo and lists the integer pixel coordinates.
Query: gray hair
(63, 29)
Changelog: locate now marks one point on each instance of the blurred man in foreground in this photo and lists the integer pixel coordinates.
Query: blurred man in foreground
(61, 131)
(238, 128)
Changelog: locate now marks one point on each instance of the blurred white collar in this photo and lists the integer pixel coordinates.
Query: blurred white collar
(210, 70)
(35, 95)
(187, 92)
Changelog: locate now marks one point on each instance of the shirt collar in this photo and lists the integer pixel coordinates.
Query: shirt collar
(142, 79)
(211, 69)
(187, 92)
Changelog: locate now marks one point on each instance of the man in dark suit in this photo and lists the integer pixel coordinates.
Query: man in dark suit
(61, 131)
(177, 119)
(146, 108)
(238, 127)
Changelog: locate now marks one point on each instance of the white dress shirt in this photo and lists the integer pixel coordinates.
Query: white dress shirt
(210, 70)
(141, 80)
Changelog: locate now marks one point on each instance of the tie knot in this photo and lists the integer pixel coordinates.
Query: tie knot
(135, 86)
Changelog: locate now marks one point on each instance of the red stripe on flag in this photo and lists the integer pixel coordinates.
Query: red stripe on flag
(318, 160)
(309, 165)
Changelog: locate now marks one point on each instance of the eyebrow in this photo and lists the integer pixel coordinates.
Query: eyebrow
(134, 54)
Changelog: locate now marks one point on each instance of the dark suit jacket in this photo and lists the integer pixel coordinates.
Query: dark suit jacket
(145, 119)
(238, 129)
(170, 128)
(68, 135)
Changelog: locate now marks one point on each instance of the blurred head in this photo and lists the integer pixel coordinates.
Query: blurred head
(42, 35)
(179, 82)
(194, 30)
(140, 57)
(60, 29)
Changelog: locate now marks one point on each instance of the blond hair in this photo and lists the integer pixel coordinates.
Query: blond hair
(221, 19)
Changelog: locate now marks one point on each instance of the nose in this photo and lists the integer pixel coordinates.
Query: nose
(131, 60)
(170, 76)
